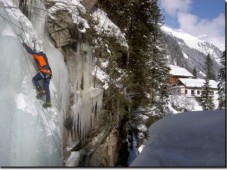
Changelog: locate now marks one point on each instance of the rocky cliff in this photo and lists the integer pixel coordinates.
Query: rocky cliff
(79, 32)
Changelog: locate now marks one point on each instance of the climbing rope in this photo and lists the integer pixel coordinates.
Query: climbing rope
(13, 29)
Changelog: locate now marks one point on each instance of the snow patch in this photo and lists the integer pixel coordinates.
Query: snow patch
(73, 159)
(141, 148)
(185, 55)
(203, 74)
(172, 110)
(144, 117)
(75, 8)
(142, 128)
(102, 76)
(106, 26)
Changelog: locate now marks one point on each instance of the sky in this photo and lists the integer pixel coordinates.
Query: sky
(202, 18)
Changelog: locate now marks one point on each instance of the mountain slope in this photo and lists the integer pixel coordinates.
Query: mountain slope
(190, 52)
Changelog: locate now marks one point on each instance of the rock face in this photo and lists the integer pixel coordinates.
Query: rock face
(89, 4)
(100, 147)
(106, 154)
(59, 29)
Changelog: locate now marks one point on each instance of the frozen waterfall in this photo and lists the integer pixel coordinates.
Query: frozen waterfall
(87, 97)
(30, 135)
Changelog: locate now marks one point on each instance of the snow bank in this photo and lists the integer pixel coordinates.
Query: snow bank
(189, 139)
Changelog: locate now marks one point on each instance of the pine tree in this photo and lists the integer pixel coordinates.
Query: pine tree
(158, 79)
(195, 73)
(140, 21)
(221, 85)
(206, 97)
(147, 70)
(209, 68)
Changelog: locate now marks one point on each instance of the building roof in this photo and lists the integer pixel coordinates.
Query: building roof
(179, 71)
(197, 83)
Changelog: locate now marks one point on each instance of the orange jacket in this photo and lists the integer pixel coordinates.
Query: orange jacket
(41, 60)
(43, 65)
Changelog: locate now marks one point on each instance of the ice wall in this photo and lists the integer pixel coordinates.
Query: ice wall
(30, 135)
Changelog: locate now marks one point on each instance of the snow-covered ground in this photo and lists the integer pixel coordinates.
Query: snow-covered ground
(189, 139)
(183, 103)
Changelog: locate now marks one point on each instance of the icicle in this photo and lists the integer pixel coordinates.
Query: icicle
(87, 100)
(38, 17)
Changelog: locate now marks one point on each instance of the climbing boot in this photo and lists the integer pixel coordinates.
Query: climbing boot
(47, 104)
(40, 92)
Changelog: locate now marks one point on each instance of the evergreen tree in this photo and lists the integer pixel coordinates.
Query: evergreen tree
(146, 66)
(209, 68)
(143, 35)
(195, 73)
(206, 97)
(159, 81)
(221, 85)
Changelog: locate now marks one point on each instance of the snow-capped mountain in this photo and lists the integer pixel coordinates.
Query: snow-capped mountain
(189, 51)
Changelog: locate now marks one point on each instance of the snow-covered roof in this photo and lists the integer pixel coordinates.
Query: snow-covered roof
(179, 71)
(199, 83)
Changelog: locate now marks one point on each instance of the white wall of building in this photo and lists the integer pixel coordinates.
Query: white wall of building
(196, 92)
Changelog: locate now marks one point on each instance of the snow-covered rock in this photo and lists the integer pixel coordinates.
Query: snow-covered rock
(189, 139)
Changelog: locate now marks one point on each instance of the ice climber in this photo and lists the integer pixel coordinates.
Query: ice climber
(44, 74)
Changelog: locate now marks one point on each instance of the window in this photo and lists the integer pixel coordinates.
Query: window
(198, 92)
(211, 92)
(192, 92)
(186, 91)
